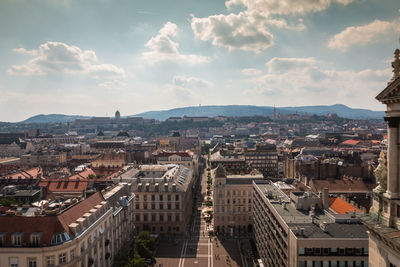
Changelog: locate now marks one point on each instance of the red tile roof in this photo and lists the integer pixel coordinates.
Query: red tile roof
(77, 211)
(64, 185)
(350, 142)
(26, 174)
(82, 175)
(341, 186)
(171, 153)
(341, 206)
(47, 225)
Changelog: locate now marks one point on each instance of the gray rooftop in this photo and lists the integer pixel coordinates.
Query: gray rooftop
(337, 226)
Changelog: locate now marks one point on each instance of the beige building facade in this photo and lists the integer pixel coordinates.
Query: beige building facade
(78, 236)
(292, 230)
(232, 201)
(163, 197)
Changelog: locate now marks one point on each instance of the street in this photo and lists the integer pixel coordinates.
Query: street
(197, 248)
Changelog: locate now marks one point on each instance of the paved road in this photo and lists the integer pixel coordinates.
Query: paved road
(198, 249)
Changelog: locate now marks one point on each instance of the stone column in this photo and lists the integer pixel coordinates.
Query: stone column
(393, 158)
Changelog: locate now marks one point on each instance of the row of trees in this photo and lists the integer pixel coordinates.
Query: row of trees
(140, 251)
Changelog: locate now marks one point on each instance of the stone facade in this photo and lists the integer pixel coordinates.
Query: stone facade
(384, 220)
(232, 201)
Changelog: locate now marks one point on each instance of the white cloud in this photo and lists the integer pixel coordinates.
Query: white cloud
(286, 6)
(243, 31)
(191, 82)
(57, 57)
(248, 30)
(373, 32)
(22, 50)
(113, 84)
(299, 81)
(163, 48)
(282, 65)
(251, 72)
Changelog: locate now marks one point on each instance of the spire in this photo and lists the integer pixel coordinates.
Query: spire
(396, 65)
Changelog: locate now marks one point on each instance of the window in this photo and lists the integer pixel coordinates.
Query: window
(137, 217)
(62, 257)
(137, 206)
(13, 262)
(161, 197)
(51, 261)
(177, 206)
(17, 239)
(161, 217)
(169, 206)
(169, 197)
(145, 197)
(145, 217)
(153, 197)
(72, 253)
(301, 251)
(161, 206)
(177, 217)
(2, 239)
(32, 262)
(35, 239)
(153, 206)
(176, 197)
(153, 217)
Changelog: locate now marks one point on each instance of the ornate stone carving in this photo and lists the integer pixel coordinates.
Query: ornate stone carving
(396, 65)
(381, 174)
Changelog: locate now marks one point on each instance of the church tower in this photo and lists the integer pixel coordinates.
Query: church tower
(117, 115)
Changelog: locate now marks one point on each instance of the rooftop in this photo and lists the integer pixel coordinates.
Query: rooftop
(312, 222)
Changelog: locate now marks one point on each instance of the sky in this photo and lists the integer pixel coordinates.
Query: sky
(92, 58)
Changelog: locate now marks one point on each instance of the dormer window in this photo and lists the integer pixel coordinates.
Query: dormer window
(36, 239)
(59, 238)
(17, 239)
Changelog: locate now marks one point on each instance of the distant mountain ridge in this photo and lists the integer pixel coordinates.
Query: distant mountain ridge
(228, 111)
(53, 118)
(249, 110)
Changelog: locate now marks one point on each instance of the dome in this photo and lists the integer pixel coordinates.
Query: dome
(117, 114)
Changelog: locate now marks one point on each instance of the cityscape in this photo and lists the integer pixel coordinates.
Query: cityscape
(235, 133)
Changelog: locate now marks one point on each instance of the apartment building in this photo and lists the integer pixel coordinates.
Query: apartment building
(232, 201)
(163, 197)
(73, 233)
(295, 230)
(264, 158)
(186, 158)
(121, 199)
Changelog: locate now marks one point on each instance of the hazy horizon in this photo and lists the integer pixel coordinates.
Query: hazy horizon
(76, 57)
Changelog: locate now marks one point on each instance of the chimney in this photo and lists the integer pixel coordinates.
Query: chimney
(325, 198)
(323, 226)
(74, 228)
